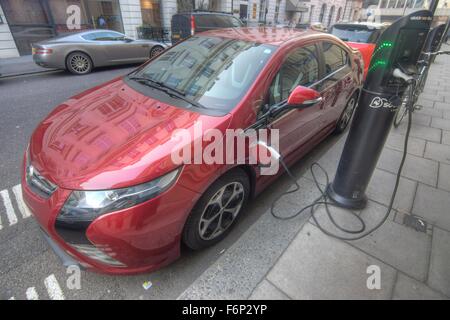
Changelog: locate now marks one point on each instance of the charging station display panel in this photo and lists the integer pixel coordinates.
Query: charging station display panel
(399, 46)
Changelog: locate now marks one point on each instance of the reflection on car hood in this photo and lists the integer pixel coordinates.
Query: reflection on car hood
(109, 137)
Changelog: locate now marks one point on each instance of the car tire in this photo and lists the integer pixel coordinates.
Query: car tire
(79, 63)
(156, 50)
(347, 114)
(202, 229)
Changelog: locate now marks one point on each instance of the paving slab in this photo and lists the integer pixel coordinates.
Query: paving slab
(316, 266)
(415, 168)
(444, 177)
(267, 291)
(440, 123)
(430, 111)
(432, 97)
(446, 137)
(425, 102)
(439, 277)
(407, 288)
(421, 119)
(438, 152)
(421, 132)
(397, 245)
(396, 141)
(381, 186)
(442, 105)
(433, 205)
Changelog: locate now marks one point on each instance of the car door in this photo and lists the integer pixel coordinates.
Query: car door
(337, 81)
(117, 49)
(296, 126)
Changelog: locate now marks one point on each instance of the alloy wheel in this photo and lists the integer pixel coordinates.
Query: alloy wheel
(348, 112)
(80, 63)
(221, 210)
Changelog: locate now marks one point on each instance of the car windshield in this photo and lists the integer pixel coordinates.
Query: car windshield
(214, 72)
(353, 34)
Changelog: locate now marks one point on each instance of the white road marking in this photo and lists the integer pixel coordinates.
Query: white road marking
(9, 208)
(53, 288)
(17, 190)
(32, 294)
(12, 298)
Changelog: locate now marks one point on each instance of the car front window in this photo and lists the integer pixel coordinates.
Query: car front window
(214, 72)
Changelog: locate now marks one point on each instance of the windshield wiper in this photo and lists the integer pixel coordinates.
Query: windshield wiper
(170, 91)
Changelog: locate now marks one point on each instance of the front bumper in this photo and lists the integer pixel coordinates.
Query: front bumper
(143, 238)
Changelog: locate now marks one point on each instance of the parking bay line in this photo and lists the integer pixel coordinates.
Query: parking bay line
(53, 288)
(11, 215)
(32, 294)
(17, 190)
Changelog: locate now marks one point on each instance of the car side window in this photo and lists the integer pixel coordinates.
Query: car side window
(300, 68)
(335, 57)
(104, 36)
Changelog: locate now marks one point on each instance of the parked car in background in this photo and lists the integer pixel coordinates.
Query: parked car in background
(360, 35)
(98, 173)
(80, 52)
(185, 25)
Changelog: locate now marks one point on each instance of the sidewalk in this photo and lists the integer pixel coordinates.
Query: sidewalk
(20, 66)
(295, 260)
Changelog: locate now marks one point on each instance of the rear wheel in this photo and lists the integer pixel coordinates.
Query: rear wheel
(156, 50)
(346, 115)
(217, 210)
(79, 63)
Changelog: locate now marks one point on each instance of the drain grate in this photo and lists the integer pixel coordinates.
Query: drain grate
(416, 223)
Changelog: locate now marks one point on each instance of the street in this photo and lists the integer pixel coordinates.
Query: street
(29, 268)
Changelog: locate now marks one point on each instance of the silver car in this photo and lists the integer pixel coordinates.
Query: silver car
(81, 52)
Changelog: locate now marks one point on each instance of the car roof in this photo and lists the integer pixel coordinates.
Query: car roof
(268, 35)
(373, 25)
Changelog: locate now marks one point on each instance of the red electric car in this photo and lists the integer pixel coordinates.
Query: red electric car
(98, 173)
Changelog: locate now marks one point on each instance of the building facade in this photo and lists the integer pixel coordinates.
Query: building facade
(23, 22)
(391, 10)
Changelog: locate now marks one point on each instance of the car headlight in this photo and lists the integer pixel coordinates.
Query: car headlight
(86, 206)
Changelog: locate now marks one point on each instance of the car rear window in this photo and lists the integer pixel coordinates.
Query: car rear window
(211, 21)
(355, 33)
(214, 72)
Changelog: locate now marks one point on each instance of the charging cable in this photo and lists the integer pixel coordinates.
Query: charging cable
(323, 199)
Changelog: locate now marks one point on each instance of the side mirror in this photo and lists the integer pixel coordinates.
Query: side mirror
(128, 40)
(303, 97)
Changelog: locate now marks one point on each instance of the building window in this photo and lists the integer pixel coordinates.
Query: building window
(151, 13)
(1, 19)
(330, 15)
(322, 13)
(339, 13)
(383, 4)
(311, 12)
(262, 10)
(277, 11)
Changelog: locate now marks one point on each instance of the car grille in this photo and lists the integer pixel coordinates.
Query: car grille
(38, 184)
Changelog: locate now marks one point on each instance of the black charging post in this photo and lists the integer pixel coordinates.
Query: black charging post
(399, 47)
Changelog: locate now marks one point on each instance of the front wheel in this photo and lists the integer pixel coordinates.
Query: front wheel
(346, 115)
(217, 210)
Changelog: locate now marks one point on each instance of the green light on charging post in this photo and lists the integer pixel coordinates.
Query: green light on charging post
(378, 64)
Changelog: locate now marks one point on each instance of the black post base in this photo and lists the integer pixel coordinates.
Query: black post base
(349, 203)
